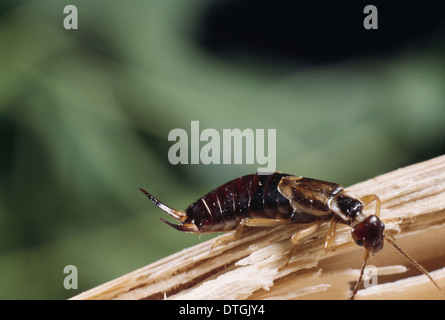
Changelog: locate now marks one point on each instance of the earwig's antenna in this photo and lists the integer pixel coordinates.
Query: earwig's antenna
(407, 256)
(177, 214)
(360, 278)
(411, 259)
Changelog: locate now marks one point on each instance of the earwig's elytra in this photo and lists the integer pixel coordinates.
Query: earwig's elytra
(278, 199)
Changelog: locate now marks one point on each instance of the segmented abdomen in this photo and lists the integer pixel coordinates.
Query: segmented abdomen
(251, 196)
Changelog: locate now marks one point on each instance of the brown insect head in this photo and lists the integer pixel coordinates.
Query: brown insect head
(369, 233)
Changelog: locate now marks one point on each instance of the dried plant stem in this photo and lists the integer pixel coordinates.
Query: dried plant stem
(413, 208)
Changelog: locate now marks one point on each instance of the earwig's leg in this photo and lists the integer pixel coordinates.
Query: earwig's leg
(329, 242)
(300, 234)
(253, 222)
(249, 222)
(370, 198)
(224, 239)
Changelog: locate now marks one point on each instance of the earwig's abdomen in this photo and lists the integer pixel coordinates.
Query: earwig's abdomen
(251, 196)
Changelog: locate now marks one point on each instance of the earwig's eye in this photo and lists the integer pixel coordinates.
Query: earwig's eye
(369, 233)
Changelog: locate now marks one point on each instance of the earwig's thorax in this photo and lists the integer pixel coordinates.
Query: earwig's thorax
(366, 231)
(348, 208)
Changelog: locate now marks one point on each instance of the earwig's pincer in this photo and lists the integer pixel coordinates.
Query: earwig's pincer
(177, 214)
(276, 199)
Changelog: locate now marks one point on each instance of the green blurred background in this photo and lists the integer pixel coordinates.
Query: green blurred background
(85, 115)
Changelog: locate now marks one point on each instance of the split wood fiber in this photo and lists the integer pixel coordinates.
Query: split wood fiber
(413, 209)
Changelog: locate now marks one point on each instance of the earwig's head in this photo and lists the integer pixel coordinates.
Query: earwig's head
(369, 233)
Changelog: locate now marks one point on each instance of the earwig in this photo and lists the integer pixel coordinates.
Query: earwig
(278, 199)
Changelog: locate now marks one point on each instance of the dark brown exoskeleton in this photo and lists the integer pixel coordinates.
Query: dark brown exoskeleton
(278, 199)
